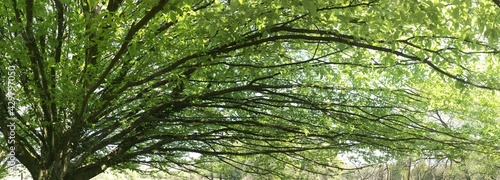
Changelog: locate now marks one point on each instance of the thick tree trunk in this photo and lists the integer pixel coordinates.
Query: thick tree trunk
(409, 169)
(54, 171)
(60, 171)
(54, 165)
(48, 174)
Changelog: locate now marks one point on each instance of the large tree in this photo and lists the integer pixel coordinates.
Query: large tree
(174, 84)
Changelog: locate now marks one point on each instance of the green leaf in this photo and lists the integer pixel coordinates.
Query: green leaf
(92, 3)
(311, 7)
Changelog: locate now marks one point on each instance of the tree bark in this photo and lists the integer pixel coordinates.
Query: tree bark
(409, 169)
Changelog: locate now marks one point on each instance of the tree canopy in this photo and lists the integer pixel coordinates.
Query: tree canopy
(260, 85)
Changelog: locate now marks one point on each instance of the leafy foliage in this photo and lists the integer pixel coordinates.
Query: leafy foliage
(124, 83)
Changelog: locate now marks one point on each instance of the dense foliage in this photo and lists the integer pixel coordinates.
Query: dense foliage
(265, 86)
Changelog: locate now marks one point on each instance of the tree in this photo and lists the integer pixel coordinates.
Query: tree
(94, 84)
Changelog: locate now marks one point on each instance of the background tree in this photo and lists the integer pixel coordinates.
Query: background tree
(119, 83)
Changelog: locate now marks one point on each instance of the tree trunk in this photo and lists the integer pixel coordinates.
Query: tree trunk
(409, 169)
(61, 172)
(54, 166)
(54, 172)
(388, 172)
